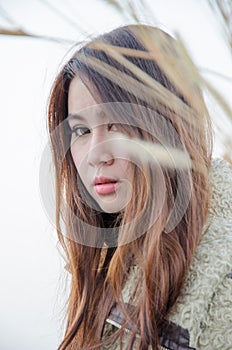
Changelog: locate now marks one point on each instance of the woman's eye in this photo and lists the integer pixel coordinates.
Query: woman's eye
(80, 131)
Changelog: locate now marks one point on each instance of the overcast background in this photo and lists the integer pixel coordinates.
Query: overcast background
(31, 301)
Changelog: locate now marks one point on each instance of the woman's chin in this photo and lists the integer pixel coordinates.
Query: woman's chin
(112, 206)
(112, 209)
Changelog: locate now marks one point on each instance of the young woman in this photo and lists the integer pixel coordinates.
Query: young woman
(147, 242)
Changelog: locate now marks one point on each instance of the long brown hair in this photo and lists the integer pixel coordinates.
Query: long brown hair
(98, 269)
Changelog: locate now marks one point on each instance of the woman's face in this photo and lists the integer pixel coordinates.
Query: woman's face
(106, 176)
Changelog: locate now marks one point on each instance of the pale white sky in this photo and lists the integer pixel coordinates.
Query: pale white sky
(30, 310)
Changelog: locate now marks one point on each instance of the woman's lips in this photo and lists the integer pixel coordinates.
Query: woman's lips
(104, 185)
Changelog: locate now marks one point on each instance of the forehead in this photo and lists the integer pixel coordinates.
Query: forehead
(79, 97)
(82, 105)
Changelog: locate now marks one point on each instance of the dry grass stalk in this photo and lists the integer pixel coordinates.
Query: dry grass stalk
(146, 88)
(169, 61)
(168, 57)
(22, 33)
(149, 88)
(223, 9)
(149, 152)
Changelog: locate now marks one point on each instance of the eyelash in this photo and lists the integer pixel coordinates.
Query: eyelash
(84, 130)
(80, 128)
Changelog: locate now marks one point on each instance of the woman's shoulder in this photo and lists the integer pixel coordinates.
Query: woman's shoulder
(220, 178)
(213, 257)
(209, 279)
(215, 248)
(216, 241)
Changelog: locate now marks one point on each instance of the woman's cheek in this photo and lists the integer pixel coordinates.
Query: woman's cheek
(77, 157)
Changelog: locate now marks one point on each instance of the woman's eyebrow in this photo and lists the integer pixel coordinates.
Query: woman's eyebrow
(75, 117)
(82, 118)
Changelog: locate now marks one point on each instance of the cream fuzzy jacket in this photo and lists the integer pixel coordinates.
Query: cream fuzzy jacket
(202, 316)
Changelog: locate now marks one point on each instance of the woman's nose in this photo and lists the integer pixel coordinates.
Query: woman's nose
(100, 148)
